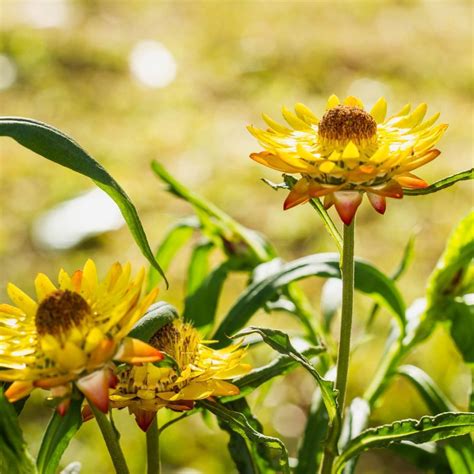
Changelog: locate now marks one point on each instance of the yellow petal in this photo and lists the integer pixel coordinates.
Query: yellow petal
(352, 101)
(71, 357)
(304, 153)
(89, 278)
(22, 300)
(43, 286)
(93, 339)
(333, 101)
(381, 154)
(327, 166)
(64, 280)
(351, 151)
(294, 121)
(305, 113)
(379, 110)
(334, 156)
(275, 125)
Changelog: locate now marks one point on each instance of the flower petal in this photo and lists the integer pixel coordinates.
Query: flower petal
(298, 195)
(135, 351)
(144, 418)
(95, 387)
(18, 390)
(378, 202)
(411, 181)
(346, 203)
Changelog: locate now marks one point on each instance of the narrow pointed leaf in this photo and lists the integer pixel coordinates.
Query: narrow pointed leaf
(368, 280)
(14, 456)
(59, 433)
(56, 146)
(428, 428)
(176, 237)
(280, 342)
(241, 425)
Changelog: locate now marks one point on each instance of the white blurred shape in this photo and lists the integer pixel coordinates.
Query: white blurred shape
(289, 420)
(369, 90)
(76, 220)
(72, 468)
(8, 72)
(46, 13)
(152, 64)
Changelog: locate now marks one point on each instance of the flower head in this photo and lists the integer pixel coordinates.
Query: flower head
(72, 332)
(349, 152)
(200, 373)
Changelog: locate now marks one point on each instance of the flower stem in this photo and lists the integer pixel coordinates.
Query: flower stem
(347, 270)
(153, 448)
(111, 440)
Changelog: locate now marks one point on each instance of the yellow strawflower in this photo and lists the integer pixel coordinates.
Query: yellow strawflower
(200, 373)
(349, 152)
(72, 332)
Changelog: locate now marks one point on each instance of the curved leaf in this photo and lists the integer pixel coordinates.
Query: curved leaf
(280, 342)
(428, 428)
(175, 238)
(280, 366)
(368, 280)
(240, 424)
(158, 315)
(441, 184)
(14, 456)
(56, 439)
(63, 150)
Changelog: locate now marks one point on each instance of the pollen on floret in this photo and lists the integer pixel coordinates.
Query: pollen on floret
(343, 123)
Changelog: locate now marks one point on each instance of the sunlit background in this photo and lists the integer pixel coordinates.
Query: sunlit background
(178, 82)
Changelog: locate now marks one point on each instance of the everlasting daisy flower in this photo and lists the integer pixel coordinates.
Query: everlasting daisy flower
(201, 373)
(349, 152)
(71, 334)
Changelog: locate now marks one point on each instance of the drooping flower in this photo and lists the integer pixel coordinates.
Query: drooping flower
(71, 334)
(349, 152)
(200, 372)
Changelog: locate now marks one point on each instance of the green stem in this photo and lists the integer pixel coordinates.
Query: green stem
(153, 448)
(111, 440)
(347, 269)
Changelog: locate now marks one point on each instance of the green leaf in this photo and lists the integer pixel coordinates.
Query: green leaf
(368, 280)
(312, 441)
(426, 457)
(432, 395)
(14, 456)
(355, 422)
(428, 428)
(407, 258)
(459, 451)
(198, 267)
(157, 316)
(63, 150)
(176, 237)
(441, 184)
(236, 239)
(454, 271)
(240, 425)
(59, 433)
(280, 366)
(280, 342)
(462, 328)
(201, 306)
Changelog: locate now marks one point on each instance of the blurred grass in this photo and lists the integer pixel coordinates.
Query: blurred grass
(235, 59)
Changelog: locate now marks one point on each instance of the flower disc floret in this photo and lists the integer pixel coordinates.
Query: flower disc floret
(349, 152)
(71, 333)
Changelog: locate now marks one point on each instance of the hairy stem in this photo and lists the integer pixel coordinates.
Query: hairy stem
(111, 440)
(153, 448)
(347, 269)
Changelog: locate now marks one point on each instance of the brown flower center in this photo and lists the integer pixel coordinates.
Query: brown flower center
(61, 311)
(179, 340)
(346, 123)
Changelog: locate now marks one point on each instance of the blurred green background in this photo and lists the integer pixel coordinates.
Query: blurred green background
(178, 82)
